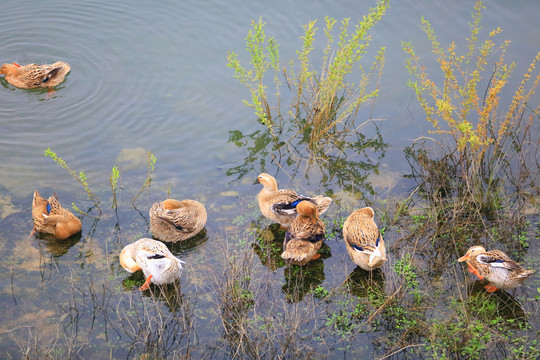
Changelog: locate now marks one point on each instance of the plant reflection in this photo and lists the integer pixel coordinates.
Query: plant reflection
(345, 162)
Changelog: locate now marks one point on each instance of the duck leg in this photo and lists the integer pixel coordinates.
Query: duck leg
(32, 232)
(146, 284)
(491, 288)
(474, 271)
(315, 257)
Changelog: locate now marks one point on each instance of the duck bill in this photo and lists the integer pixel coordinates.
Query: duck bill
(464, 257)
(256, 181)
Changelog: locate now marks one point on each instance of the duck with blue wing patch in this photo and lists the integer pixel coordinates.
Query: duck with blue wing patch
(496, 267)
(305, 235)
(363, 239)
(279, 205)
(51, 218)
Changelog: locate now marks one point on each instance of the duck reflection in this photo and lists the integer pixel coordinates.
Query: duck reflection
(269, 246)
(361, 283)
(170, 294)
(489, 306)
(54, 246)
(300, 280)
(191, 245)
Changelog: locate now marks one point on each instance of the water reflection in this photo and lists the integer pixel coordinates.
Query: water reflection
(361, 283)
(57, 247)
(190, 245)
(490, 306)
(269, 246)
(345, 163)
(300, 280)
(154, 333)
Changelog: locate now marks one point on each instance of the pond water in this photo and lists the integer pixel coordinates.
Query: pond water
(152, 77)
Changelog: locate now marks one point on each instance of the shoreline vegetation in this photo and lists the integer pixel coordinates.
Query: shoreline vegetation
(476, 181)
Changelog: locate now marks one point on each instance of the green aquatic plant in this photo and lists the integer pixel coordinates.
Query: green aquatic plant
(324, 103)
(151, 162)
(115, 176)
(479, 140)
(80, 176)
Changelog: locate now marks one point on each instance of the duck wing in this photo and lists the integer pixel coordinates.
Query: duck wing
(286, 201)
(499, 260)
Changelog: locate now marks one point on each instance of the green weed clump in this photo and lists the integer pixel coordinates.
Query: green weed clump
(324, 103)
(483, 147)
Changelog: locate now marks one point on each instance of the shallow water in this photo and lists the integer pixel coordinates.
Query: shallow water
(153, 77)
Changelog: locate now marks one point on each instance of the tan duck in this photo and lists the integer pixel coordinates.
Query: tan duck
(173, 220)
(158, 264)
(51, 218)
(496, 267)
(34, 76)
(363, 240)
(305, 235)
(279, 205)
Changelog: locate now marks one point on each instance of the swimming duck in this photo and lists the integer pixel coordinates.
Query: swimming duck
(305, 235)
(51, 218)
(156, 261)
(173, 220)
(280, 205)
(496, 267)
(363, 239)
(34, 76)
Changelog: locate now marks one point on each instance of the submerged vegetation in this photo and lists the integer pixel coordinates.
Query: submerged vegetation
(475, 176)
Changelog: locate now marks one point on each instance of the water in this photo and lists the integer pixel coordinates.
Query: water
(150, 76)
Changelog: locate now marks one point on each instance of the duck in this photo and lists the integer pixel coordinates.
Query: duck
(35, 76)
(51, 218)
(279, 205)
(496, 267)
(158, 264)
(173, 220)
(363, 239)
(305, 235)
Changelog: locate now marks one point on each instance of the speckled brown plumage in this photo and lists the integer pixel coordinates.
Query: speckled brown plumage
(173, 220)
(363, 239)
(496, 267)
(58, 221)
(305, 235)
(34, 76)
(280, 205)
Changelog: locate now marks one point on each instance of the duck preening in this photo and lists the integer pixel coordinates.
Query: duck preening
(35, 76)
(496, 267)
(158, 264)
(279, 205)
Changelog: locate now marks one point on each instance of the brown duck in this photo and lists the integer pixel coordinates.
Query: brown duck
(35, 76)
(363, 239)
(496, 267)
(279, 205)
(305, 235)
(51, 218)
(174, 220)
